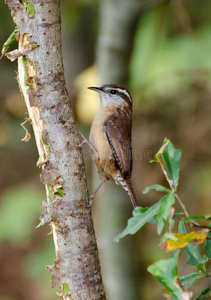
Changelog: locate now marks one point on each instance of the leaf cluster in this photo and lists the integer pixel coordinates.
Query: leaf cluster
(163, 214)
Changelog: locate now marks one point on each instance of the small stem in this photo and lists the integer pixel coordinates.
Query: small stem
(182, 205)
(194, 224)
(171, 186)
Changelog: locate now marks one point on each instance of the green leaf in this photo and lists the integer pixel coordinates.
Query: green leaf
(40, 224)
(207, 246)
(166, 203)
(177, 214)
(11, 39)
(139, 210)
(189, 279)
(156, 187)
(196, 218)
(141, 216)
(194, 256)
(171, 224)
(160, 226)
(152, 161)
(165, 271)
(206, 293)
(59, 192)
(65, 288)
(171, 159)
(31, 9)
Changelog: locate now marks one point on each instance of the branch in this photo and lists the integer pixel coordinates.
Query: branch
(41, 81)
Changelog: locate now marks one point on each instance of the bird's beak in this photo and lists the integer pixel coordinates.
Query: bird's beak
(93, 88)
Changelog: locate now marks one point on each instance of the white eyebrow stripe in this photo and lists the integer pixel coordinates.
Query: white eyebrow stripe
(124, 92)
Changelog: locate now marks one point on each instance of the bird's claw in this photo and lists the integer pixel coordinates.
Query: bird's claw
(85, 141)
(91, 197)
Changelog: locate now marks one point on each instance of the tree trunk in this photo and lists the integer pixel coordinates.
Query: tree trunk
(41, 81)
(118, 20)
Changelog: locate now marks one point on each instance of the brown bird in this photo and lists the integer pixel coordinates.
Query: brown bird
(110, 137)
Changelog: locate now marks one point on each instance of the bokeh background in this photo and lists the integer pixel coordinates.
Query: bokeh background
(160, 50)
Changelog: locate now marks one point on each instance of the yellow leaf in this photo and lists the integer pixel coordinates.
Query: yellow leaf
(179, 241)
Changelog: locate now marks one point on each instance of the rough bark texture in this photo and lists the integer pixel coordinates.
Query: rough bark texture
(41, 81)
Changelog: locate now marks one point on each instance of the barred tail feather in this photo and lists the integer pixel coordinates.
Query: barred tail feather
(127, 186)
(131, 192)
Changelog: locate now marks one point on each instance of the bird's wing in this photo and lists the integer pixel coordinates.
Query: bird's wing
(118, 132)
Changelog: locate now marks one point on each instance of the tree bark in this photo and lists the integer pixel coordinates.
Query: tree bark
(41, 81)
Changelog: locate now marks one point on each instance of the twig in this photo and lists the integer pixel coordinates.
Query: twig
(182, 205)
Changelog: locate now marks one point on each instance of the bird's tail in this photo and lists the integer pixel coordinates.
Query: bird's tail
(128, 187)
(131, 192)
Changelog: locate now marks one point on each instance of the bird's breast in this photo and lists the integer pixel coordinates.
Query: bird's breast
(104, 160)
(97, 135)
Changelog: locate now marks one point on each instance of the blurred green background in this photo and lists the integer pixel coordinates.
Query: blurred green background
(169, 72)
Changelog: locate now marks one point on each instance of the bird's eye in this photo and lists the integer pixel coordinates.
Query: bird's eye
(113, 92)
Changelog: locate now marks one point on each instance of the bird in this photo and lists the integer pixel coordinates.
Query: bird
(110, 138)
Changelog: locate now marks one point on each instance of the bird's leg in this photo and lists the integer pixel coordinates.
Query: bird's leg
(85, 141)
(91, 197)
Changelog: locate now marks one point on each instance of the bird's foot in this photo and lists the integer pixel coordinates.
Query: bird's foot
(91, 197)
(85, 141)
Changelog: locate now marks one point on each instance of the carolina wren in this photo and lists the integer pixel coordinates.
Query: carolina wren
(110, 137)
